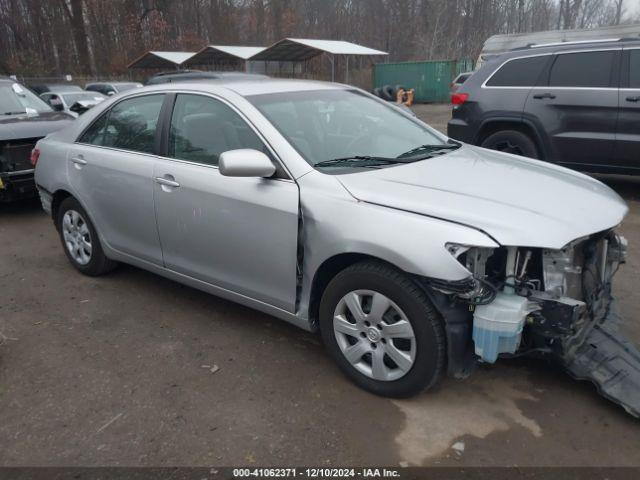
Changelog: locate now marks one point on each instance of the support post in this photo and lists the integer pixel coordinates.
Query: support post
(347, 69)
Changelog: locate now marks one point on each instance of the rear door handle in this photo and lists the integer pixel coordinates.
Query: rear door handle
(78, 160)
(633, 99)
(166, 182)
(540, 96)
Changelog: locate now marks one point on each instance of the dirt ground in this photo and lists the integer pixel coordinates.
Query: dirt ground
(118, 371)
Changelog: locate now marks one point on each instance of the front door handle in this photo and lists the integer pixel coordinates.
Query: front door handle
(167, 182)
(633, 99)
(540, 96)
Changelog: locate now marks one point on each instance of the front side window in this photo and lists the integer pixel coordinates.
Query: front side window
(521, 72)
(202, 128)
(343, 128)
(129, 125)
(634, 68)
(584, 69)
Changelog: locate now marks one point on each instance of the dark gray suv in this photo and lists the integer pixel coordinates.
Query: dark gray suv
(575, 104)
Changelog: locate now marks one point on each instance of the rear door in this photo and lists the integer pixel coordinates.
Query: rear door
(111, 169)
(576, 105)
(627, 152)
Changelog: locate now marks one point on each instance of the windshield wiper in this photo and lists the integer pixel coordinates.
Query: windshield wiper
(363, 160)
(428, 149)
(14, 113)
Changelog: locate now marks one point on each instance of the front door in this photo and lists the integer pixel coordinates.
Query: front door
(111, 170)
(627, 153)
(576, 103)
(240, 234)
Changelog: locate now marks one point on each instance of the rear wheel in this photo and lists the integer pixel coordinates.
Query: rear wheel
(511, 141)
(80, 240)
(381, 329)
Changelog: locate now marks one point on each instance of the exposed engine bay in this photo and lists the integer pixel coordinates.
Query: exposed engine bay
(555, 303)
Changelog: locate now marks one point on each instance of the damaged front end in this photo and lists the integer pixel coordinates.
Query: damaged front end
(16, 171)
(555, 303)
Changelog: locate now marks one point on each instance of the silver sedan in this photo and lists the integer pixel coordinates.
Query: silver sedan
(412, 254)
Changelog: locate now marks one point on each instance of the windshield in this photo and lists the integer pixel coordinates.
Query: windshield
(71, 98)
(16, 99)
(328, 126)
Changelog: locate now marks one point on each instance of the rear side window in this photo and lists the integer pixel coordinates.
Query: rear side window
(521, 72)
(634, 68)
(585, 69)
(129, 125)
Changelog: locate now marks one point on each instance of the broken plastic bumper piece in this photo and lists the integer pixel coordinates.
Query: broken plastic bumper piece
(609, 360)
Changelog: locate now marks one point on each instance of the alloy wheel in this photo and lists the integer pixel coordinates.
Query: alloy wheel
(508, 147)
(77, 237)
(374, 335)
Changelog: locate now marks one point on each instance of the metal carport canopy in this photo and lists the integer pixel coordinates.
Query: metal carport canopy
(223, 53)
(155, 59)
(302, 49)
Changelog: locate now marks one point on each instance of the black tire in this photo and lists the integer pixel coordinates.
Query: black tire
(512, 141)
(389, 93)
(98, 263)
(377, 92)
(428, 329)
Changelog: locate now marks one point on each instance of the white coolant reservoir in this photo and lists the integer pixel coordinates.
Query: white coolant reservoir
(497, 327)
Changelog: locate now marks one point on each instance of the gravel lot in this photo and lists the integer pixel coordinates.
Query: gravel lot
(118, 371)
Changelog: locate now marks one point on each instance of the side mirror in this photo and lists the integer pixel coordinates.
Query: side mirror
(245, 163)
(111, 93)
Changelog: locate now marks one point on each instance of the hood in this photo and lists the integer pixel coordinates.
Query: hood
(15, 127)
(515, 200)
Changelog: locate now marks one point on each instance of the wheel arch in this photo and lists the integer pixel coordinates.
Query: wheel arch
(57, 198)
(327, 270)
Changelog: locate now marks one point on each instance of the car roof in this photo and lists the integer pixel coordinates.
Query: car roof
(196, 74)
(78, 92)
(533, 50)
(248, 87)
(109, 82)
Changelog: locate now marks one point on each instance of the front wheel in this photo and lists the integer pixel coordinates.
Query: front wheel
(382, 330)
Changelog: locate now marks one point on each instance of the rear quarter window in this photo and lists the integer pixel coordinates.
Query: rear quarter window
(520, 72)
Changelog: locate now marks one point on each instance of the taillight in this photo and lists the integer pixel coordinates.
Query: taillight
(459, 98)
(35, 155)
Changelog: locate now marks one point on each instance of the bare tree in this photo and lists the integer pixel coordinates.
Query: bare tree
(100, 37)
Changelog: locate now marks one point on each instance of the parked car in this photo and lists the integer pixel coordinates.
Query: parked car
(576, 105)
(24, 119)
(320, 204)
(189, 75)
(41, 88)
(111, 88)
(74, 103)
(459, 80)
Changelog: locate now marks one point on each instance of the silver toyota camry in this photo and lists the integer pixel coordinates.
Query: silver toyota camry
(413, 255)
